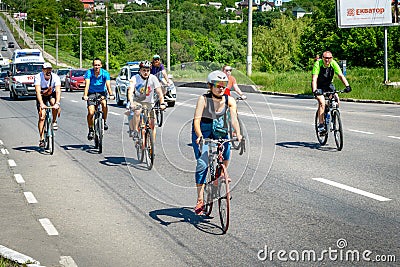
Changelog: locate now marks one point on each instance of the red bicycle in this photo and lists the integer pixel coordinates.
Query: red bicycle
(217, 182)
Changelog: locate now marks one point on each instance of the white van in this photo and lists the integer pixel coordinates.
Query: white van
(4, 37)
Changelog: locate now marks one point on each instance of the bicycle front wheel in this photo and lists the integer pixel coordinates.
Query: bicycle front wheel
(149, 149)
(209, 190)
(50, 137)
(159, 114)
(99, 132)
(322, 137)
(224, 197)
(337, 129)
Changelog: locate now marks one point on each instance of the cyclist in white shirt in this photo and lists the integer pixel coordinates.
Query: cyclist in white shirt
(48, 89)
(141, 93)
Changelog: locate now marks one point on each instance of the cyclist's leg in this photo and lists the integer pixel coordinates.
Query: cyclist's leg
(151, 120)
(136, 116)
(104, 107)
(52, 102)
(227, 155)
(41, 118)
(321, 108)
(91, 110)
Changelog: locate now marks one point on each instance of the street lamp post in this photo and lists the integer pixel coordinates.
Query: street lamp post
(57, 44)
(107, 37)
(33, 32)
(168, 39)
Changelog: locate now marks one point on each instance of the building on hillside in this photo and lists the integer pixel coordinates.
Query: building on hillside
(266, 6)
(138, 2)
(88, 5)
(298, 12)
(217, 5)
(119, 8)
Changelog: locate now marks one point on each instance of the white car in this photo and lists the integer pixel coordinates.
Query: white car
(122, 81)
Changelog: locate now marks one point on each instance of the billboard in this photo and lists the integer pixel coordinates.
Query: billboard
(20, 16)
(366, 13)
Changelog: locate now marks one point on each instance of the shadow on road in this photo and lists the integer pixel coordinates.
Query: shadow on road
(84, 147)
(170, 216)
(29, 149)
(310, 145)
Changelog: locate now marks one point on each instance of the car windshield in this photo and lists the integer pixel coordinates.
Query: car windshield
(28, 68)
(62, 72)
(78, 73)
(3, 74)
(134, 71)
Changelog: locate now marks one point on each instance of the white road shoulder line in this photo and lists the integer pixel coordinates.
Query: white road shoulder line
(392, 116)
(352, 189)
(357, 131)
(74, 101)
(114, 113)
(395, 137)
(30, 198)
(1, 142)
(67, 261)
(19, 179)
(48, 226)
(16, 256)
(12, 163)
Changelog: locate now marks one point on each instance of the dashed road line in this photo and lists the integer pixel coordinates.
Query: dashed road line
(357, 131)
(4, 151)
(1, 142)
(74, 101)
(114, 113)
(30, 198)
(352, 189)
(48, 226)
(12, 163)
(395, 137)
(19, 179)
(391, 116)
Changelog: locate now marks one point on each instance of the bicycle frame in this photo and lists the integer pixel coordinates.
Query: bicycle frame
(145, 143)
(48, 129)
(98, 122)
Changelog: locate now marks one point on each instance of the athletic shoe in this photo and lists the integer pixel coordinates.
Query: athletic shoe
(55, 126)
(105, 126)
(90, 134)
(41, 143)
(199, 207)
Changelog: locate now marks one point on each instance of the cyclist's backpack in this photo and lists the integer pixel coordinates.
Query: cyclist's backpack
(220, 125)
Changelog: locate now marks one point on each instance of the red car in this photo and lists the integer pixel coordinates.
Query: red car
(74, 80)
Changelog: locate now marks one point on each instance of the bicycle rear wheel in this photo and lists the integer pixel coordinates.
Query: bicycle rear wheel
(322, 137)
(159, 114)
(224, 197)
(139, 146)
(149, 149)
(337, 129)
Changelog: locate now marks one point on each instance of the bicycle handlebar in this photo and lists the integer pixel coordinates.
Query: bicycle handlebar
(222, 141)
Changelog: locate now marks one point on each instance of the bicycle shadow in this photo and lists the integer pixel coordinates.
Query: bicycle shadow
(84, 147)
(30, 149)
(170, 216)
(310, 145)
(125, 161)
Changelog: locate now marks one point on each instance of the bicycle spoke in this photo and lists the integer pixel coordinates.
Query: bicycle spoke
(224, 200)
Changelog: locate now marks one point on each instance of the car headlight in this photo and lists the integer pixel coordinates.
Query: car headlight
(73, 81)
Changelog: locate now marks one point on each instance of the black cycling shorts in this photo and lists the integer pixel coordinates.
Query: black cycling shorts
(45, 99)
(92, 96)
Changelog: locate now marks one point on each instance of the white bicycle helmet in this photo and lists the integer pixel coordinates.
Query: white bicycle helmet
(217, 76)
(145, 64)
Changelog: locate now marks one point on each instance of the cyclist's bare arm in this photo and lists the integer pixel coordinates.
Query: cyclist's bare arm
(343, 79)
(86, 90)
(108, 86)
(197, 117)
(38, 90)
(235, 122)
(314, 82)
(160, 97)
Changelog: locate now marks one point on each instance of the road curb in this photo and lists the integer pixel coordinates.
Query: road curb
(18, 257)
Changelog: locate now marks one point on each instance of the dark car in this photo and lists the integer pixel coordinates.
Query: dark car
(75, 80)
(4, 48)
(10, 44)
(3, 77)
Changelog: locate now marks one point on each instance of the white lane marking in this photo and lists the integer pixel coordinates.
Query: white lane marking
(352, 189)
(114, 113)
(4, 151)
(67, 261)
(48, 226)
(357, 131)
(392, 116)
(12, 163)
(395, 137)
(75, 101)
(289, 106)
(30, 197)
(1, 142)
(19, 179)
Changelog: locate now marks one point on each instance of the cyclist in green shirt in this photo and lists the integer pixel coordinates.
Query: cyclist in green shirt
(322, 76)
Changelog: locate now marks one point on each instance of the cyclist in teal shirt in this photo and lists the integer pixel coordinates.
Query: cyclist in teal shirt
(322, 76)
(97, 81)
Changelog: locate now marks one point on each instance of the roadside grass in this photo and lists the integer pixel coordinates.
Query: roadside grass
(8, 263)
(365, 83)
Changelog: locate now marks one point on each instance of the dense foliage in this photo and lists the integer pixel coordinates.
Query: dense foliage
(280, 41)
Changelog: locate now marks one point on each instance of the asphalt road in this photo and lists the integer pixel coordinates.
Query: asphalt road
(291, 197)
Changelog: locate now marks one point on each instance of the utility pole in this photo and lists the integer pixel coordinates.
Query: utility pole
(250, 39)
(168, 39)
(106, 36)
